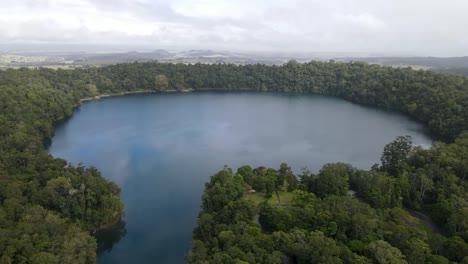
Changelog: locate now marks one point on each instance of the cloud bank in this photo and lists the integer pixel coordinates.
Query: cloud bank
(418, 27)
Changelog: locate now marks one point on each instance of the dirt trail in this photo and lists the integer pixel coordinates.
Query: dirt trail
(426, 220)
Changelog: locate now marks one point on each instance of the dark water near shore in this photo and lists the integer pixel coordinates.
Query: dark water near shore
(162, 148)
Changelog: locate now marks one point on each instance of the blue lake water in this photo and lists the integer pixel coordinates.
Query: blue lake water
(162, 148)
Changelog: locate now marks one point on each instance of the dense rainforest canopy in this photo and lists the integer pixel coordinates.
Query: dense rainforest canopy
(48, 208)
(379, 221)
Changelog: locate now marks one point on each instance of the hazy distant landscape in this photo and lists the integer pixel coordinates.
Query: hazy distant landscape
(37, 58)
(60, 59)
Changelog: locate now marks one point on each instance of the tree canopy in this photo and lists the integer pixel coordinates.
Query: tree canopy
(48, 207)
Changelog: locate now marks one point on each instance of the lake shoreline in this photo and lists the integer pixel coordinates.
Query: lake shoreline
(135, 141)
(189, 90)
(117, 219)
(101, 96)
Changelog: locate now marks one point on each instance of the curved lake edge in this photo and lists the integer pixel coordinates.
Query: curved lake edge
(102, 96)
(426, 128)
(120, 215)
(225, 96)
(47, 141)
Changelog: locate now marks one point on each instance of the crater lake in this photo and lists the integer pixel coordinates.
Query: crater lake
(162, 148)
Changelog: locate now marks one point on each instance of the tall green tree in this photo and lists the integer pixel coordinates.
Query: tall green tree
(395, 154)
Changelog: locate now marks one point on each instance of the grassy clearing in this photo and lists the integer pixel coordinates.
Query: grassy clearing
(257, 198)
(286, 197)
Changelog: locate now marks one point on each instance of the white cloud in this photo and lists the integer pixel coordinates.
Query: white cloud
(365, 21)
(422, 27)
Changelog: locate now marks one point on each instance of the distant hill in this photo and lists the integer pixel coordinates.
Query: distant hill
(430, 62)
(449, 65)
(190, 56)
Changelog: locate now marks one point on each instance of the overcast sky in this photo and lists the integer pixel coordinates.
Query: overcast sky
(406, 27)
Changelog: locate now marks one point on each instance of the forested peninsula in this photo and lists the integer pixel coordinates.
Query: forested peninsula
(49, 209)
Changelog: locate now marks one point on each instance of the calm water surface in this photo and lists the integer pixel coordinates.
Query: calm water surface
(162, 148)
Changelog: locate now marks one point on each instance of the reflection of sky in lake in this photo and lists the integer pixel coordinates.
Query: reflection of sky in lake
(161, 149)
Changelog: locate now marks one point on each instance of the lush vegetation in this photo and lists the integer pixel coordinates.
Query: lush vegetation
(48, 208)
(325, 223)
(454, 71)
(429, 62)
(438, 100)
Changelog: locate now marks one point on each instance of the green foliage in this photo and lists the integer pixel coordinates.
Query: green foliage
(332, 227)
(47, 208)
(395, 154)
(307, 247)
(161, 82)
(269, 180)
(433, 181)
(246, 173)
(333, 179)
(379, 190)
(436, 259)
(286, 177)
(41, 236)
(383, 253)
(455, 249)
(437, 100)
(226, 231)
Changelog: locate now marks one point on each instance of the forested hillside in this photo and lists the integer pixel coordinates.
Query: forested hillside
(48, 208)
(439, 101)
(326, 223)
